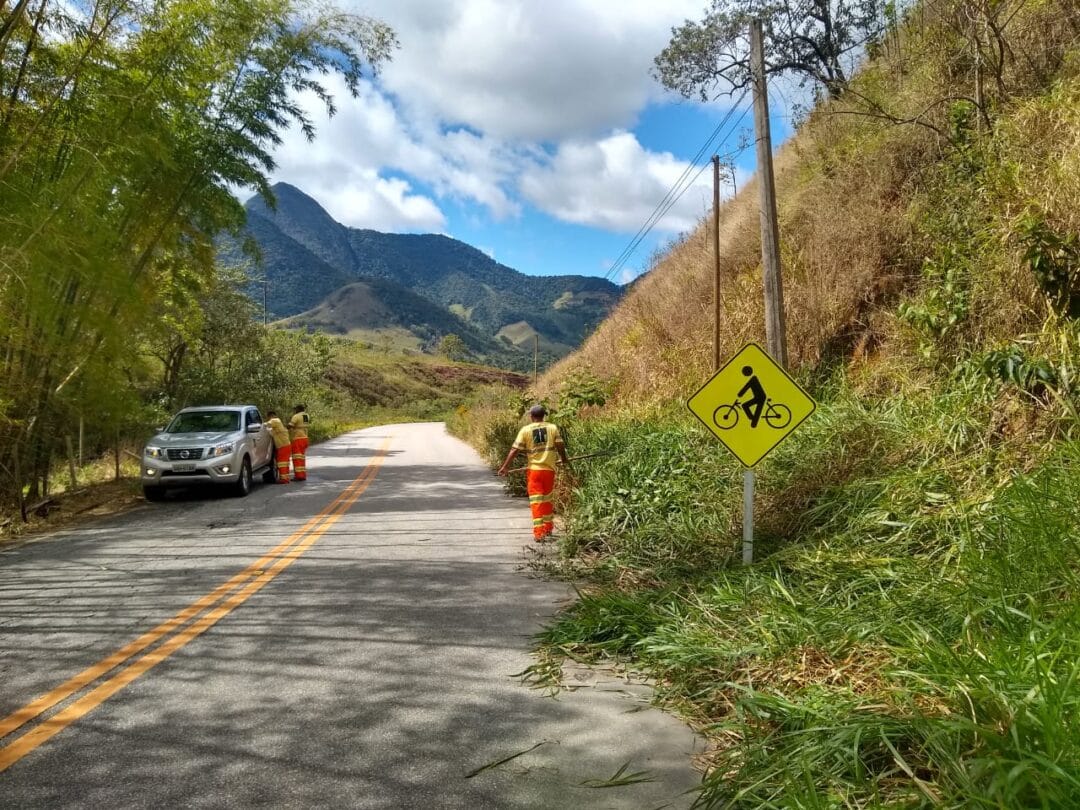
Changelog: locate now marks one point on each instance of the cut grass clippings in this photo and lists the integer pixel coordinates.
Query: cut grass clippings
(504, 760)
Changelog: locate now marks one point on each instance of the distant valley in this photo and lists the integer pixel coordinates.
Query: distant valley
(410, 289)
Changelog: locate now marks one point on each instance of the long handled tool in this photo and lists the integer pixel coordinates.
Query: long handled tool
(572, 458)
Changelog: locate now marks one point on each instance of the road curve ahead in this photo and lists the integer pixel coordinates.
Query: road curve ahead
(349, 642)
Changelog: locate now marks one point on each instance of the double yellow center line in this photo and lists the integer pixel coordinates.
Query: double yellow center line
(173, 633)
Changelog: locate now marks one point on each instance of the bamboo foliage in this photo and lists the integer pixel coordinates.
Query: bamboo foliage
(124, 125)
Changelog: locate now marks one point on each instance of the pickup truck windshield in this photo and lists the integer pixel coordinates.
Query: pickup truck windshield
(205, 422)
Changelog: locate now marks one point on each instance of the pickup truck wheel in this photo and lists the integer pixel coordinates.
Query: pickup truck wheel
(243, 483)
(154, 494)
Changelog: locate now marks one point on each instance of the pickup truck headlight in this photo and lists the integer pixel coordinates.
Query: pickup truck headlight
(154, 452)
(221, 450)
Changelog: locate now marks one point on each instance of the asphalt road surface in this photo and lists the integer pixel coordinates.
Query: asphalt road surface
(347, 642)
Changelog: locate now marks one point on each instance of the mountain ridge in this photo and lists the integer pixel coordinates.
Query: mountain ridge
(307, 255)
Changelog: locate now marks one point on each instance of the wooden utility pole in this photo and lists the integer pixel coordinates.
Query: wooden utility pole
(536, 358)
(716, 260)
(775, 331)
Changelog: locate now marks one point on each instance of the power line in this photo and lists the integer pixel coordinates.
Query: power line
(668, 199)
(679, 187)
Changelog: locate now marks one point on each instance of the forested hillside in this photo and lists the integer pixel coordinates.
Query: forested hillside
(309, 255)
(908, 634)
(365, 308)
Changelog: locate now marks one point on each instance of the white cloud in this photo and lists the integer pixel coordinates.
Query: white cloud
(528, 70)
(354, 150)
(464, 105)
(615, 183)
(382, 204)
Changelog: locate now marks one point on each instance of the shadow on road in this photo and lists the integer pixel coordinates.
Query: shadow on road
(378, 671)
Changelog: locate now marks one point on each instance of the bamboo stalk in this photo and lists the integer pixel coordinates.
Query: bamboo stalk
(71, 462)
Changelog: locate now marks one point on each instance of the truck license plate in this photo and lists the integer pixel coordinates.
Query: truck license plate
(183, 468)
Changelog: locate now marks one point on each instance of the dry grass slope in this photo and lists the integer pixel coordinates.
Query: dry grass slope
(853, 194)
(843, 231)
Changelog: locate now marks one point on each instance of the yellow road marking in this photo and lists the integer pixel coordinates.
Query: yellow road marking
(304, 538)
(91, 674)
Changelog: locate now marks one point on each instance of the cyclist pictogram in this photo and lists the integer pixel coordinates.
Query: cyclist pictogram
(751, 404)
(777, 415)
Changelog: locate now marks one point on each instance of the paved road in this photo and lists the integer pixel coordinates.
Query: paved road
(348, 642)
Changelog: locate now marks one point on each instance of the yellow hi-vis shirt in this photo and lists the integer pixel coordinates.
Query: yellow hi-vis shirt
(538, 440)
(278, 431)
(298, 425)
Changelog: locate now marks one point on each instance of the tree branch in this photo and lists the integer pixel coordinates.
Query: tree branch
(877, 111)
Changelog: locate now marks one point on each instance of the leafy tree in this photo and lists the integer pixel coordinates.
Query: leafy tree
(225, 354)
(124, 127)
(453, 347)
(816, 40)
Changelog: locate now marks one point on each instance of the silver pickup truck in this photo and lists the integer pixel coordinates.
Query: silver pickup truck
(223, 445)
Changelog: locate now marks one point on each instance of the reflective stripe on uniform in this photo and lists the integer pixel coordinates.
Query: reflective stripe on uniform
(299, 457)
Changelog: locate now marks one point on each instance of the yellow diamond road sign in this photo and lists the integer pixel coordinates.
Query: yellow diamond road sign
(751, 404)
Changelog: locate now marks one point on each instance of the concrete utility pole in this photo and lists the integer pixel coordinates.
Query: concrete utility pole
(775, 331)
(716, 260)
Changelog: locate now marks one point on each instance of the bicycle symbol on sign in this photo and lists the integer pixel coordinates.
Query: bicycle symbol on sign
(758, 406)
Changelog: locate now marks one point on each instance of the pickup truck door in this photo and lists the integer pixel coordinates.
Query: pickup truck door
(263, 447)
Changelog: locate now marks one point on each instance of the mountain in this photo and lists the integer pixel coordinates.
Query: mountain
(297, 278)
(307, 255)
(373, 306)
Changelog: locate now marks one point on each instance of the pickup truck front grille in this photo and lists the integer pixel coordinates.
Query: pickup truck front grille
(185, 453)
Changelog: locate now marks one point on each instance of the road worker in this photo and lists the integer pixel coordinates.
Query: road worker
(298, 427)
(543, 446)
(282, 445)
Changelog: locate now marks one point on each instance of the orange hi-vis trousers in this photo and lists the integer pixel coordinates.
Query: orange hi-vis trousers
(299, 458)
(540, 484)
(281, 455)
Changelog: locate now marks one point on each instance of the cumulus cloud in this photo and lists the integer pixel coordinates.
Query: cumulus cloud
(521, 69)
(382, 204)
(497, 103)
(355, 150)
(615, 183)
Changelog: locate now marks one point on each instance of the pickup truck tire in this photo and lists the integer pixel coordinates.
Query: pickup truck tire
(270, 476)
(154, 494)
(242, 487)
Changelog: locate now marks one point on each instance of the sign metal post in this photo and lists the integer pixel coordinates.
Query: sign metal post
(748, 517)
(751, 405)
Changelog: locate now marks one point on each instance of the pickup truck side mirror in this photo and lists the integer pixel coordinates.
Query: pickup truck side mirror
(255, 428)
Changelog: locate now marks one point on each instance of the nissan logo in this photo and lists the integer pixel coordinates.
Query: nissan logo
(185, 454)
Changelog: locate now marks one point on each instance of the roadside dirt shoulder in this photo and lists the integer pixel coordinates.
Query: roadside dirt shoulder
(71, 508)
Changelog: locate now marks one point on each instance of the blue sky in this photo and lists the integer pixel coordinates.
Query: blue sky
(530, 130)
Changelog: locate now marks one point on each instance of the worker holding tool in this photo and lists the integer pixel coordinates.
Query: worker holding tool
(543, 447)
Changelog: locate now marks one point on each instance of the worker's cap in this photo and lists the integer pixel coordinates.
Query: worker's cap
(537, 410)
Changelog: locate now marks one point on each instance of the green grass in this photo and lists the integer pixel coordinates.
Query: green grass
(367, 386)
(911, 635)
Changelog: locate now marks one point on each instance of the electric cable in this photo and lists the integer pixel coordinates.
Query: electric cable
(679, 187)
